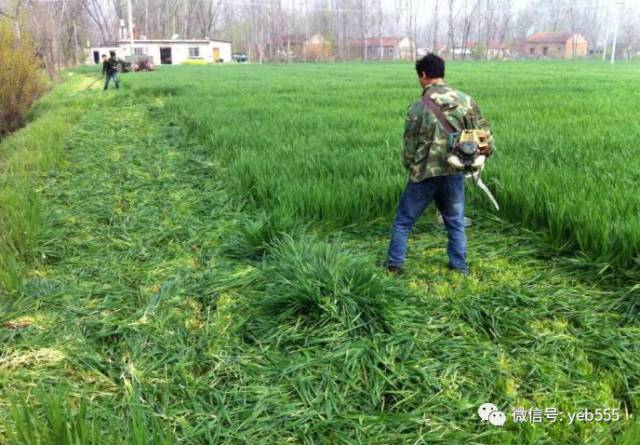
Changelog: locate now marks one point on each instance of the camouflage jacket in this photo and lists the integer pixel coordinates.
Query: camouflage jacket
(426, 145)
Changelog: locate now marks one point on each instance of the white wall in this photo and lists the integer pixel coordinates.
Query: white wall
(179, 51)
(101, 50)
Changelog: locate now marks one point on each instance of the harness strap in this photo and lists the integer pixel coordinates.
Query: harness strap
(435, 109)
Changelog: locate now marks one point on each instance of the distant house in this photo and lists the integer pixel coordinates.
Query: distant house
(498, 50)
(297, 47)
(482, 50)
(316, 48)
(390, 48)
(517, 48)
(283, 48)
(560, 45)
(462, 52)
(166, 52)
(439, 49)
(95, 53)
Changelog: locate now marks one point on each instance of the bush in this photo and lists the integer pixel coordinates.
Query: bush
(195, 62)
(21, 80)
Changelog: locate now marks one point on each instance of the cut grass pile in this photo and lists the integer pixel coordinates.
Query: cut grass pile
(161, 301)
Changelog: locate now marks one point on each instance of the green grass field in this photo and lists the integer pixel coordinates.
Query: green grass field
(193, 259)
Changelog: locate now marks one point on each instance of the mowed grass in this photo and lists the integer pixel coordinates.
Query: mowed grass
(177, 291)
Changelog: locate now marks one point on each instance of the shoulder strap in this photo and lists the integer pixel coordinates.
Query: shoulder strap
(435, 109)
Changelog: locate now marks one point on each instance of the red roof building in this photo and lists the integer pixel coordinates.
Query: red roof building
(561, 45)
(389, 48)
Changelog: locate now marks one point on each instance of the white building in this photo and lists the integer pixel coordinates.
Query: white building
(166, 52)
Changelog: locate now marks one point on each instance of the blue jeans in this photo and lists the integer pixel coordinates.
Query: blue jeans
(113, 76)
(448, 192)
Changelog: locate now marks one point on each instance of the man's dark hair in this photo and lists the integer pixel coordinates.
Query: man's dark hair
(432, 65)
(112, 53)
(104, 55)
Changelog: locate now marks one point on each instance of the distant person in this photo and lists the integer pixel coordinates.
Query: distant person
(110, 69)
(428, 158)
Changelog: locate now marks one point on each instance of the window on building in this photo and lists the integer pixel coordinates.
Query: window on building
(532, 50)
(545, 50)
(139, 51)
(194, 51)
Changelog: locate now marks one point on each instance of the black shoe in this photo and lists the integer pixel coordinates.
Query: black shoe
(395, 270)
(463, 272)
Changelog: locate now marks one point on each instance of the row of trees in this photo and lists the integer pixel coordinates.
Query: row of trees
(62, 28)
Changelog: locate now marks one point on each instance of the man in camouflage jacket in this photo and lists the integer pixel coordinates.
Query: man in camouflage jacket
(426, 149)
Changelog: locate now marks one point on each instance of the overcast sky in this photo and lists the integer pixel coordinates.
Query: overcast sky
(426, 7)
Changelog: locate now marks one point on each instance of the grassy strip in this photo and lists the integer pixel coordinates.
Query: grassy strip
(26, 157)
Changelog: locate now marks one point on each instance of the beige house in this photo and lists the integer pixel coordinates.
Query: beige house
(498, 50)
(559, 45)
(390, 48)
(297, 47)
(316, 49)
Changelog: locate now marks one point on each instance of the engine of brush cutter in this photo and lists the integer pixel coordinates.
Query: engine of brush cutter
(469, 150)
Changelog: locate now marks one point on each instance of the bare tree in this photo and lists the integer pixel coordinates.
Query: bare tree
(363, 7)
(61, 27)
(468, 18)
(506, 18)
(411, 8)
(12, 12)
(46, 19)
(451, 32)
(96, 13)
(208, 12)
(436, 19)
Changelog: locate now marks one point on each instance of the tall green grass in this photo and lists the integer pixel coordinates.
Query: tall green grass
(322, 142)
(65, 424)
(26, 156)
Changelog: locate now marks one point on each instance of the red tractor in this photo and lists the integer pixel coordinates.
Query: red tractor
(142, 63)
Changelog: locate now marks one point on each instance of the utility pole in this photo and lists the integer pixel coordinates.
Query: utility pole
(131, 29)
(615, 31)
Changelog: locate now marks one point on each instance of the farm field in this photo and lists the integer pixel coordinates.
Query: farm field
(193, 259)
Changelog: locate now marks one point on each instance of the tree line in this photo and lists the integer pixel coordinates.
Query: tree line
(61, 29)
